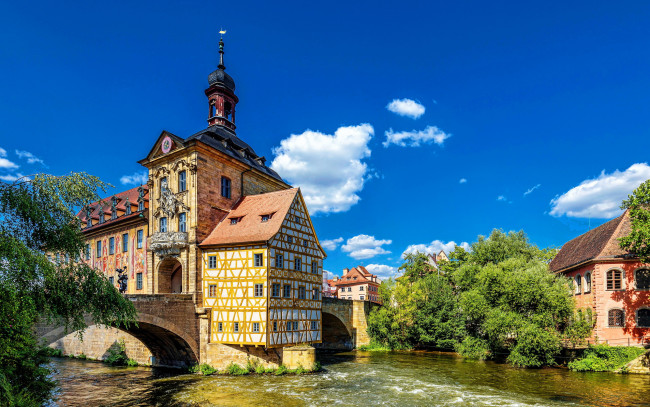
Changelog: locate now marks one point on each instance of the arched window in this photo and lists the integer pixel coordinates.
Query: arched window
(227, 107)
(616, 318)
(643, 318)
(578, 283)
(615, 279)
(587, 283)
(642, 279)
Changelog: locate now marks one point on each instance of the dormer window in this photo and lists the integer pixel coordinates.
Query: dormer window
(113, 208)
(265, 218)
(101, 215)
(140, 199)
(234, 221)
(127, 206)
(140, 206)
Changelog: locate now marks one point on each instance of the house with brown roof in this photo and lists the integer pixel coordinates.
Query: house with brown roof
(611, 282)
(356, 284)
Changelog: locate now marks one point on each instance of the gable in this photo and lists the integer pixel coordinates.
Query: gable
(165, 144)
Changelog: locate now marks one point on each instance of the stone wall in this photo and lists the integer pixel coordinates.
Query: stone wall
(220, 356)
(640, 364)
(96, 341)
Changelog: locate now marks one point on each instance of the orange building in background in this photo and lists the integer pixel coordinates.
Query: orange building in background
(356, 284)
(610, 281)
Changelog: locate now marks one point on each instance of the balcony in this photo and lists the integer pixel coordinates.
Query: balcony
(167, 244)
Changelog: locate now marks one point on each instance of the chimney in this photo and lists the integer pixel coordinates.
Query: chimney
(345, 271)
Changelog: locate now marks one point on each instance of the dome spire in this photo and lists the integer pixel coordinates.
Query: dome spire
(221, 65)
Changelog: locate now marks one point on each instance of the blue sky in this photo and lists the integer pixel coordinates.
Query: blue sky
(551, 98)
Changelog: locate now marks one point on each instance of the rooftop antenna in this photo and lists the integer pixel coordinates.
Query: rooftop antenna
(221, 65)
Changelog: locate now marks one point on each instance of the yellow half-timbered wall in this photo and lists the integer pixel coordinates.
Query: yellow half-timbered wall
(238, 315)
(296, 240)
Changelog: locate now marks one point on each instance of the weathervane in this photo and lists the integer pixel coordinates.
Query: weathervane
(221, 65)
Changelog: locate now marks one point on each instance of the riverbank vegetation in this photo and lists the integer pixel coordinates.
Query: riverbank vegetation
(40, 279)
(605, 358)
(495, 301)
(234, 369)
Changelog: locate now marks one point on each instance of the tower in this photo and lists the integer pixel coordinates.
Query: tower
(221, 95)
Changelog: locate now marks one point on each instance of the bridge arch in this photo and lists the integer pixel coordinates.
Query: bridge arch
(336, 335)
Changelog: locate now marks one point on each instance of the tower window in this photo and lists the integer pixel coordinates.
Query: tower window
(227, 107)
(213, 109)
(182, 184)
(182, 223)
(225, 187)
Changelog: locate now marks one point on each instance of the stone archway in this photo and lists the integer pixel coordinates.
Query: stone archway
(335, 334)
(170, 276)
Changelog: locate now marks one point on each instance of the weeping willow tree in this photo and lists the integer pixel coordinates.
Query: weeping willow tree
(42, 278)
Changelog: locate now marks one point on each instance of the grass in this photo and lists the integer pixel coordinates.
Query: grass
(605, 358)
(375, 347)
(234, 369)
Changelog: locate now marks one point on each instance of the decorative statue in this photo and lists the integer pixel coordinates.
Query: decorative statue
(169, 202)
(121, 279)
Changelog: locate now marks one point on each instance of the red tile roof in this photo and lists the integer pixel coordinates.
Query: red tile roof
(598, 243)
(131, 194)
(362, 275)
(249, 210)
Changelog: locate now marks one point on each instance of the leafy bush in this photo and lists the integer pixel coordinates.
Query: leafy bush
(317, 367)
(473, 348)
(54, 352)
(281, 370)
(116, 354)
(374, 347)
(132, 363)
(260, 369)
(236, 370)
(605, 358)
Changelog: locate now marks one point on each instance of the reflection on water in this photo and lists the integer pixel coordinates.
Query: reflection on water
(356, 379)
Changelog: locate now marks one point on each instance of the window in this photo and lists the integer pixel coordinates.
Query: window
(125, 242)
(88, 252)
(127, 207)
(140, 205)
(163, 184)
(212, 290)
(302, 295)
(111, 245)
(275, 326)
(138, 281)
(258, 260)
(616, 318)
(265, 218)
(140, 236)
(182, 184)
(236, 327)
(163, 224)
(227, 110)
(220, 327)
(259, 290)
(287, 291)
(614, 279)
(275, 290)
(643, 318)
(314, 267)
(314, 325)
(361, 288)
(289, 325)
(101, 215)
(182, 222)
(212, 262)
(110, 280)
(305, 242)
(349, 289)
(297, 265)
(99, 248)
(296, 219)
(279, 263)
(642, 279)
(225, 187)
(587, 283)
(295, 325)
(361, 297)
(315, 295)
(578, 283)
(289, 239)
(233, 221)
(256, 326)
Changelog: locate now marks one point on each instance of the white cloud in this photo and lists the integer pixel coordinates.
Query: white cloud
(434, 247)
(3, 152)
(12, 177)
(137, 178)
(406, 107)
(4, 163)
(31, 158)
(382, 270)
(365, 247)
(463, 181)
(414, 138)
(530, 190)
(331, 244)
(501, 198)
(327, 168)
(600, 197)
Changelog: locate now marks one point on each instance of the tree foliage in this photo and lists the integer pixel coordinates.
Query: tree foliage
(497, 299)
(38, 218)
(638, 240)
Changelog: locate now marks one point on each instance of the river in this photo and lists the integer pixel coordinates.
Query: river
(353, 379)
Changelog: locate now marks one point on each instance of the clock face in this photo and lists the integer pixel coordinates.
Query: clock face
(166, 145)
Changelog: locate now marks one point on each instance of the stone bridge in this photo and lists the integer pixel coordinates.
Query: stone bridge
(167, 325)
(168, 331)
(345, 323)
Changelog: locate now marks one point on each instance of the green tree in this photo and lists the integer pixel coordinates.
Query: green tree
(638, 240)
(38, 218)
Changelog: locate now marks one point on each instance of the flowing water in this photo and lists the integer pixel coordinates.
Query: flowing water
(353, 379)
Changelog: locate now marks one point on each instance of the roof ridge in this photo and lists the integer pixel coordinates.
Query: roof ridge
(614, 234)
